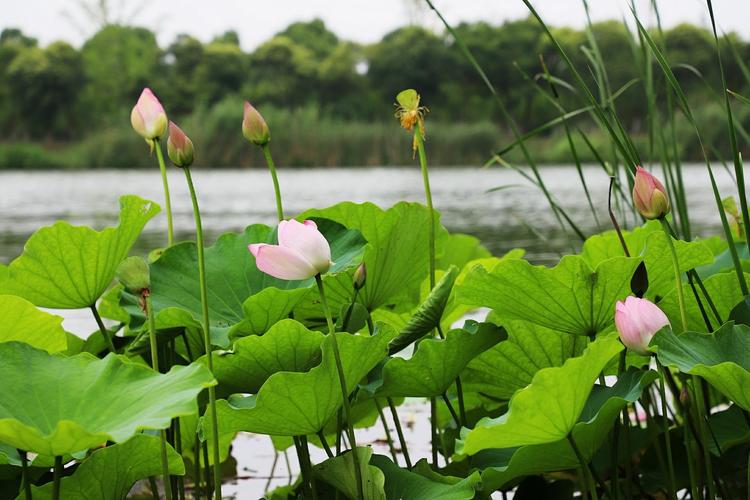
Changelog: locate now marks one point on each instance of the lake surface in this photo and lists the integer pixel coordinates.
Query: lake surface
(513, 217)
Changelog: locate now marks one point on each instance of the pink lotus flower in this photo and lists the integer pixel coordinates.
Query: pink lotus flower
(179, 147)
(148, 117)
(302, 252)
(254, 127)
(638, 320)
(650, 197)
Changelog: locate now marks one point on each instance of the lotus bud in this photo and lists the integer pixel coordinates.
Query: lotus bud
(638, 320)
(360, 276)
(179, 147)
(302, 252)
(148, 117)
(133, 273)
(649, 196)
(254, 127)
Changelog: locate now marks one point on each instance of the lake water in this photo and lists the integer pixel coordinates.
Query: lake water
(233, 199)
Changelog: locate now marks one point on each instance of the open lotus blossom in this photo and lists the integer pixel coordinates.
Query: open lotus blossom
(649, 196)
(302, 252)
(638, 320)
(148, 116)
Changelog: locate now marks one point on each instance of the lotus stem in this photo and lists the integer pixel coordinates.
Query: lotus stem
(206, 334)
(274, 177)
(344, 390)
(103, 329)
(388, 437)
(26, 484)
(155, 366)
(56, 472)
(167, 198)
(665, 429)
(399, 432)
(305, 466)
(324, 443)
(676, 267)
(588, 469)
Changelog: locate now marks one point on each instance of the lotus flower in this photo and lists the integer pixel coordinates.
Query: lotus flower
(302, 252)
(254, 127)
(179, 147)
(650, 197)
(638, 320)
(148, 117)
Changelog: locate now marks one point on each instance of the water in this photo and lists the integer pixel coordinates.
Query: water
(233, 199)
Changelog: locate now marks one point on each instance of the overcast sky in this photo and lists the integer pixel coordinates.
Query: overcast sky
(358, 20)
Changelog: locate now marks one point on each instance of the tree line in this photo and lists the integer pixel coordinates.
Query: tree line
(60, 93)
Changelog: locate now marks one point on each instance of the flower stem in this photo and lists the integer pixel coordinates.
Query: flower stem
(274, 177)
(676, 267)
(388, 437)
(588, 471)
(344, 391)
(428, 195)
(102, 328)
(399, 432)
(56, 471)
(155, 366)
(206, 334)
(26, 483)
(665, 429)
(167, 198)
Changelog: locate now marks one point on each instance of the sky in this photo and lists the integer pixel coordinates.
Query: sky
(356, 20)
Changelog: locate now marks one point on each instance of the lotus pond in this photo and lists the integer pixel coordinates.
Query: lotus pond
(620, 370)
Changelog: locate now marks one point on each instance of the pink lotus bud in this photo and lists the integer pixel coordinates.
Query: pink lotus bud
(148, 117)
(179, 147)
(360, 276)
(638, 320)
(302, 252)
(650, 197)
(254, 127)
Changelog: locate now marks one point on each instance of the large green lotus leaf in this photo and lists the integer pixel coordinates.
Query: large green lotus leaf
(548, 408)
(724, 291)
(510, 365)
(722, 358)
(570, 297)
(460, 249)
(69, 267)
(650, 243)
(423, 484)
(240, 296)
(436, 363)
(293, 404)
(22, 321)
(55, 405)
(109, 473)
(286, 347)
(339, 473)
(397, 255)
(503, 466)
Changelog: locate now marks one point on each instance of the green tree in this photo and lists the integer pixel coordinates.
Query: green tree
(314, 35)
(118, 62)
(221, 71)
(282, 73)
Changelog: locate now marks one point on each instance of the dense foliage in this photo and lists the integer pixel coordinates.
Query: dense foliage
(327, 93)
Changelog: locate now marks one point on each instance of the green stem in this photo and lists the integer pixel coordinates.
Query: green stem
(155, 366)
(676, 267)
(451, 410)
(701, 416)
(344, 391)
(102, 328)
(25, 483)
(206, 334)
(428, 195)
(387, 431)
(206, 470)
(197, 468)
(399, 432)
(154, 488)
(665, 429)
(305, 467)
(167, 198)
(323, 442)
(56, 472)
(274, 177)
(587, 470)
(178, 449)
